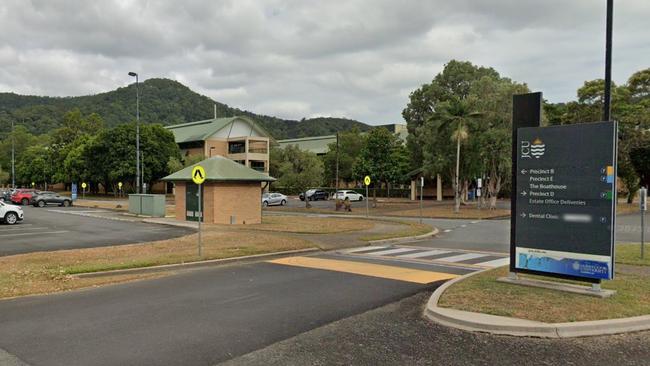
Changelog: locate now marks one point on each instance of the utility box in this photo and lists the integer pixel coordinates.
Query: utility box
(147, 204)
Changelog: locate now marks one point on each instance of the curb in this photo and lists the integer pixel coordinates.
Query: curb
(493, 324)
(403, 239)
(161, 221)
(192, 265)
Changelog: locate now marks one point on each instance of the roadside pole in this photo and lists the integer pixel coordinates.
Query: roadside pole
(479, 185)
(366, 181)
(643, 203)
(198, 176)
(421, 190)
(83, 190)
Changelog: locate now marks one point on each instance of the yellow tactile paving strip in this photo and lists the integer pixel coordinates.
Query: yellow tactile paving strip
(366, 269)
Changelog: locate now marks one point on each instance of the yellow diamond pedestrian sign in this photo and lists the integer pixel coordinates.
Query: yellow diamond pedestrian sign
(366, 180)
(198, 174)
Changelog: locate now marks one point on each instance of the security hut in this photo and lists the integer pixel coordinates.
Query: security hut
(231, 192)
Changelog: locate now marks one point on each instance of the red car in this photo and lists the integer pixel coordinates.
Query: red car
(22, 196)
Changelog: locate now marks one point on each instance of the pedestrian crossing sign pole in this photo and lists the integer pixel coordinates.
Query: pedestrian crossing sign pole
(198, 177)
(366, 181)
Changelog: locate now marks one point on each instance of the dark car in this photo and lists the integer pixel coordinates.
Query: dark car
(5, 195)
(42, 199)
(314, 195)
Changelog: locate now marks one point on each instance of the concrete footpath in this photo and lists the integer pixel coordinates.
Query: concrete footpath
(493, 324)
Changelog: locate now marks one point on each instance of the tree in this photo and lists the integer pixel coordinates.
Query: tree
(350, 144)
(375, 158)
(4, 177)
(640, 158)
(34, 166)
(297, 170)
(458, 115)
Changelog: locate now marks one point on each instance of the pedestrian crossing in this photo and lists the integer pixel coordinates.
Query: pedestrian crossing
(465, 258)
(403, 263)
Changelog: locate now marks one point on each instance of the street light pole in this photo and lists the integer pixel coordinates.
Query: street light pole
(607, 105)
(137, 132)
(13, 156)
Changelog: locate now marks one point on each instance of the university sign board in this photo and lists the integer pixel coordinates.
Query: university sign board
(566, 200)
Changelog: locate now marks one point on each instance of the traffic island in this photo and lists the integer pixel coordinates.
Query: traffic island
(479, 302)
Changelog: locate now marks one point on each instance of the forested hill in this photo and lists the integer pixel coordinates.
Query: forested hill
(162, 101)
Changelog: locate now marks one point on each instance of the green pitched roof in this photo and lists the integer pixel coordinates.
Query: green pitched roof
(220, 169)
(201, 130)
(317, 144)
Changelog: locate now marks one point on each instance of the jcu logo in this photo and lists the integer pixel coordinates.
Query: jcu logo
(534, 149)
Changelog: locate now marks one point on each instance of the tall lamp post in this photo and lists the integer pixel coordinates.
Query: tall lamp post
(13, 156)
(137, 132)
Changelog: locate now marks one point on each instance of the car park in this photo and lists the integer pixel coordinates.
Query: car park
(22, 196)
(270, 199)
(42, 199)
(5, 195)
(314, 195)
(349, 195)
(10, 214)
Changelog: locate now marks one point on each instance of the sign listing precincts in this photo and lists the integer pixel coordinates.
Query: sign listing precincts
(566, 194)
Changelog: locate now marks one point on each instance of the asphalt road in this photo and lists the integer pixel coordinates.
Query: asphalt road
(397, 334)
(195, 318)
(55, 228)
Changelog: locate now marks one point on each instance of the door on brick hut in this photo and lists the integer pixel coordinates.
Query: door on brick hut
(192, 203)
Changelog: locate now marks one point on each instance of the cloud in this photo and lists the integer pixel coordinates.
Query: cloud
(357, 58)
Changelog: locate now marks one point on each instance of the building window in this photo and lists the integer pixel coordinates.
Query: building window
(257, 147)
(258, 165)
(236, 147)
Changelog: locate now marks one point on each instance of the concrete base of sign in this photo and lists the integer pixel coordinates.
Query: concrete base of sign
(594, 291)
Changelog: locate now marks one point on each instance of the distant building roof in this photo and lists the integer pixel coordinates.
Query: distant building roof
(320, 144)
(201, 130)
(317, 144)
(220, 169)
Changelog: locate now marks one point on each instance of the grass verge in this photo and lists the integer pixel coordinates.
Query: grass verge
(47, 272)
(310, 225)
(482, 293)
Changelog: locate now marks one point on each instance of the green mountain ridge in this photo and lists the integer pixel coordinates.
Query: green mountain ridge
(162, 101)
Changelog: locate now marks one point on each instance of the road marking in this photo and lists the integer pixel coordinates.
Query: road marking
(475, 222)
(392, 251)
(463, 225)
(364, 249)
(446, 230)
(366, 269)
(38, 233)
(423, 254)
(495, 263)
(78, 212)
(463, 257)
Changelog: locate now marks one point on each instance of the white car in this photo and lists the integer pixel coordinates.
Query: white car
(10, 214)
(351, 195)
(269, 199)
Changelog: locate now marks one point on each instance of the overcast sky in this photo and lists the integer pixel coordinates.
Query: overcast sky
(293, 59)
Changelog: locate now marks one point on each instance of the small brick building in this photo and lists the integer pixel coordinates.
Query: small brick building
(231, 193)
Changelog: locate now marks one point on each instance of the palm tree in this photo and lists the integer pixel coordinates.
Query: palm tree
(458, 114)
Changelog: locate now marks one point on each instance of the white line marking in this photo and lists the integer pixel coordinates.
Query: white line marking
(423, 254)
(462, 257)
(495, 263)
(15, 228)
(474, 222)
(446, 230)
(463, 225)
(41, 232)
(364, 249)
(392, 251)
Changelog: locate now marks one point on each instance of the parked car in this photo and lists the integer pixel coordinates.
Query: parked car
(351, 195)
(5, 196)
(314, 195)
(42, 199)
(270, 199)
(10, 214)
(22, 196)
